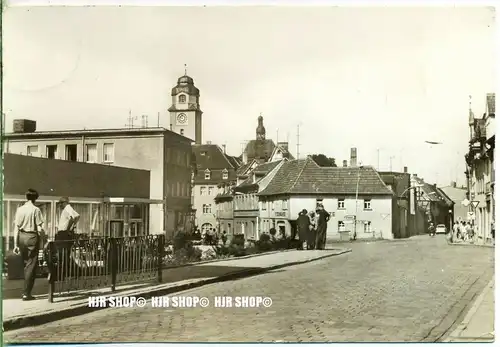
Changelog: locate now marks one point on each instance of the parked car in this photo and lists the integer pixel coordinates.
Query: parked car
(441, 229)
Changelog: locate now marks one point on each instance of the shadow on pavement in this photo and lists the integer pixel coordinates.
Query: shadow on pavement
(13, 289)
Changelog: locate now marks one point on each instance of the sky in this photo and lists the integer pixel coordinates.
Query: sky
(381, 79)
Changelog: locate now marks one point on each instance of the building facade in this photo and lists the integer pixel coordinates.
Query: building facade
(214, 169)
(480, 170)
(457, 195)
(357, 199)
(164, 153)
(111, 201)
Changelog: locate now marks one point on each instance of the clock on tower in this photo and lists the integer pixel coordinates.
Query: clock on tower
(185, 112)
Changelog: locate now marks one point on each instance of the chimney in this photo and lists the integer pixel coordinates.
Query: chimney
(354, 157)
(283, 145)
(414, 175)
(209, 142)
(405, 169)
(224, 148)
(344, 163)
(453, 184)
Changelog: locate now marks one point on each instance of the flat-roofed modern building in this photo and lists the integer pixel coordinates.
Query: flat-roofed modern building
(166, 154)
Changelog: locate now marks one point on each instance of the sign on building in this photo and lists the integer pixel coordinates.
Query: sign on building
(280, 214)
(349, 217)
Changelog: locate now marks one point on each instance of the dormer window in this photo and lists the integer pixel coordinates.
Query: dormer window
(203, 153)
(225, 174)
(182, 99)
(207, 174)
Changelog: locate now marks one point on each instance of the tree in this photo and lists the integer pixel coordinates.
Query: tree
(323, 160)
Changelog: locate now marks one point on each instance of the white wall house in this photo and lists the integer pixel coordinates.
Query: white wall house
(302, 184)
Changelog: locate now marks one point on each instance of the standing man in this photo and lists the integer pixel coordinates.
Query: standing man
(323, 218)
(65, 233)
(303, 224)
(29, 223)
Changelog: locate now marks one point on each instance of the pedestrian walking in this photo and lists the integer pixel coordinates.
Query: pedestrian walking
(455, 231)
(323, 218)
(29, 223)
(65, 235)
(432, 230)
(303, 224)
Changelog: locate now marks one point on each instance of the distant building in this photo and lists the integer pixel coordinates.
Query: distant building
(214, 170)
(457, 195)
(302, 184)
(480, 162)
(403, 215)
(243, 202)
(260, 149)
(111, 201)
(165, 154)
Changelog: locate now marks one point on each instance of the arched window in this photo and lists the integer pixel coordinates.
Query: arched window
(182, 98)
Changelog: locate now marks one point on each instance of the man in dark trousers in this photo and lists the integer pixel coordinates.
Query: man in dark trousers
(303, 224)
(323, 218)
(29, 223)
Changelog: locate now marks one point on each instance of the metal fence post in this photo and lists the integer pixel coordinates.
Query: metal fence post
(52, 273)
(113, 262)
(161, 252)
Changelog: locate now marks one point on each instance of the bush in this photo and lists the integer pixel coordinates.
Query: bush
(265, 238)
(238, 240)
(181, 241)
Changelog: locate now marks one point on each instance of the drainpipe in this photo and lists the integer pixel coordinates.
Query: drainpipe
(83, 148)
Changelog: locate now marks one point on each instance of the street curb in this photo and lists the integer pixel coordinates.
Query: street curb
(470, 245)
(470, 314)
(48, 317)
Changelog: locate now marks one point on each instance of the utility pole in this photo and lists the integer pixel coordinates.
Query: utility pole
(158, 119)
(378, 159)
(298, 140)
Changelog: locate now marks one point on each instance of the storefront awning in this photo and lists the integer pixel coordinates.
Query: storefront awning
(118, 200)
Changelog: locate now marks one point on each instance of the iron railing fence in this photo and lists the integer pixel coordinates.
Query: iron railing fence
(95, 263)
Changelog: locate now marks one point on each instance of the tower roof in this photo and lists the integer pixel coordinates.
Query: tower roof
(185, 84)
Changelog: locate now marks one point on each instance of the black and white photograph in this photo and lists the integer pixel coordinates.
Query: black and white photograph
(248, 174)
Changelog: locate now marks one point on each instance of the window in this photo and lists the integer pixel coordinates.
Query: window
(182, 131)
(367, 204)
(207, 174)
(284, 204)
(202, 190)
(210, 190)
(32, 150)
(207, 208)
(182, 99)
(71, 152)
(341, 226)
(318, 202)
(178, 189)
(341, 204)
(203, 153)
(91, 153)
(108, 152)
(51, 151)
(368, 227)
(272, 205)
(264, 205)
(225, 174)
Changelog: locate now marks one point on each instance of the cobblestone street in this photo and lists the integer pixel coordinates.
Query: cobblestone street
(407, 290)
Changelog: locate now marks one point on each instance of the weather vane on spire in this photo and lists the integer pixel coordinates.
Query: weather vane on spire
(470, 102)
(185, 69)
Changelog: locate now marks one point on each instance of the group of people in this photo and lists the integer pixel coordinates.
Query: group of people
(29, 223)
(312, 228)
(463, 231)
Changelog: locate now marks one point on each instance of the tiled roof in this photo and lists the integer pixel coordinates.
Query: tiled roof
(262, 170)
(211, 157)
(304, 176)
(259, 149)
(490, 102)
(429, 190)
(243, 168)
(234, 161)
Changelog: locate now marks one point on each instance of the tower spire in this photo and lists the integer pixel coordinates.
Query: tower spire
(185, 69)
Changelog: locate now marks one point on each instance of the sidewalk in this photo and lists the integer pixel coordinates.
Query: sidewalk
(479, 323)
(18, 314)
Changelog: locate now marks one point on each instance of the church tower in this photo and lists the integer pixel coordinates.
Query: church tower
(185, 112)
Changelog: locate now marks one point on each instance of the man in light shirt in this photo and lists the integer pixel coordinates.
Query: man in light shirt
(65, 233)
(29, 224)
(67, 221)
